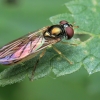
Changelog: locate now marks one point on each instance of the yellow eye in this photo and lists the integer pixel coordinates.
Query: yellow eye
(55, 31)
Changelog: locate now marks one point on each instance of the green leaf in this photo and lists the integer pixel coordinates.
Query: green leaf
(86, 16)
(86, 53)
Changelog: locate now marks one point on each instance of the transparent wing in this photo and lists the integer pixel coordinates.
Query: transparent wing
(24, 47)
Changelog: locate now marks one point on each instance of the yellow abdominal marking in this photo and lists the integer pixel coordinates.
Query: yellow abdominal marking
(55, 31)
(47, 34)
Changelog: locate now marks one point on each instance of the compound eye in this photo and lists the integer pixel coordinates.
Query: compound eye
(63, 22)
(69, 32)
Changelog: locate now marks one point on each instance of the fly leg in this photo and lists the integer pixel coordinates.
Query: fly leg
(69, 43)
(35, 66)
(70, 62)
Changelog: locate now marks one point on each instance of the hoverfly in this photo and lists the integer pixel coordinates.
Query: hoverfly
(30, 45)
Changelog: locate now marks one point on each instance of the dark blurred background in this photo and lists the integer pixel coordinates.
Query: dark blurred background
(17, 18)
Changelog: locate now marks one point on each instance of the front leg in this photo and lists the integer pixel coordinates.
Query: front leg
(70, 62)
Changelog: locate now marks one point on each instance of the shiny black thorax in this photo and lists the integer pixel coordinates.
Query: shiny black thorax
(55, 31)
